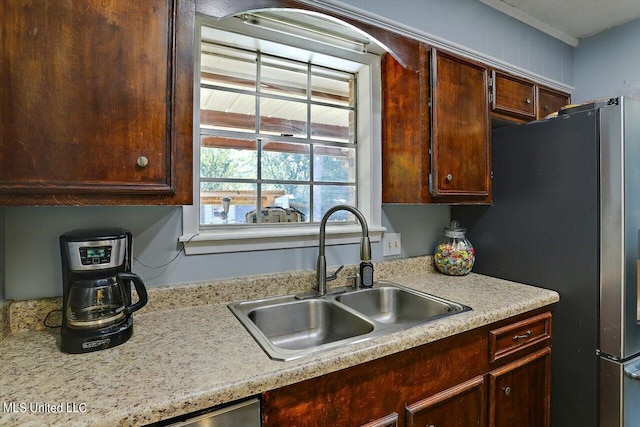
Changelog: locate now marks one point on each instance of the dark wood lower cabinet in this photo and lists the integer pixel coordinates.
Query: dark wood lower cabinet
(447, 383)
(519, 392)
(462, 405)
(375, 389)
(390, 420)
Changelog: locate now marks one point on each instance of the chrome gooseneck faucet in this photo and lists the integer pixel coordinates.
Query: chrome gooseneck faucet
(365, 249)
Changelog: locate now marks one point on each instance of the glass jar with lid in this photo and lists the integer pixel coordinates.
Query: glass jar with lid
(454, 254)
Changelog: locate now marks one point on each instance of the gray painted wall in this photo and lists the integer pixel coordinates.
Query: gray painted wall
(33, 261)
(608, 64)
(32, 267)
(478, 27)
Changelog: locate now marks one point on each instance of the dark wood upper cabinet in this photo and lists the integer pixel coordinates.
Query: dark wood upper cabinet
(96, 102)
(460, 140)
(517, 100)
(405, 132)
(550, 101)
(513, 96)
(435, 131)
(96, 106)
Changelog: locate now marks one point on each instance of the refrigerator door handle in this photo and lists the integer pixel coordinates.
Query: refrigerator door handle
(632, 372)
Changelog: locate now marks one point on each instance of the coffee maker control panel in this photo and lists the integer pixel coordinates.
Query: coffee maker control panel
(95, 255)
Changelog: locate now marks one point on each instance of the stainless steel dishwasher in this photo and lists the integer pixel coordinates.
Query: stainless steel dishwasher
(243, 414)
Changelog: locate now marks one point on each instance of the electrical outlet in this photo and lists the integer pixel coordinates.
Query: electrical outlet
(392, 244)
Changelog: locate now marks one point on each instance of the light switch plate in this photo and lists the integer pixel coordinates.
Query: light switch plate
(392, 244)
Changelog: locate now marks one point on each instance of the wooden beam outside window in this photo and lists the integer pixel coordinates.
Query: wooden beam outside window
(275, 146)
(271, 124)
(282, 89)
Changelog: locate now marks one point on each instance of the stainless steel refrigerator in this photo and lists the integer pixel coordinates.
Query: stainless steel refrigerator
(566, 216)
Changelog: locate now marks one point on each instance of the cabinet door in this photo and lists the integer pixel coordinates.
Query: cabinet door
(513, 96)
(550, 101)
(405, 131)
(520, 393)
(96, 102)
(460, 142)
(461, 406)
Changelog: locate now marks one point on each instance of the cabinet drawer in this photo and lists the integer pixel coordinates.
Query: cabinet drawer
(513, 96)
(550, 102)
(515, 337)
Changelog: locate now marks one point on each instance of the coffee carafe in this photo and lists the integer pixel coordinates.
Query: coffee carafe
(97, 308)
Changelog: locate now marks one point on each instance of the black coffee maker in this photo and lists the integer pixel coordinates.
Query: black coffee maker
(97, 311)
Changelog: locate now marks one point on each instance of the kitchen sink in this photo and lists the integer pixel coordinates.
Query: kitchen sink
(287, 327)
(390, 304)
(309, 323)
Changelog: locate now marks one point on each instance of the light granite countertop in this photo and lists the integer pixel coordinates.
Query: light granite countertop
(187, 359)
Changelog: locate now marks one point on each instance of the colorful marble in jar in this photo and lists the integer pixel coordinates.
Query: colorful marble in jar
(454, 255)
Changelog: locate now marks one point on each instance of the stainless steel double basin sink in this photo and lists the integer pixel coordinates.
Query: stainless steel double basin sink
(287, 327)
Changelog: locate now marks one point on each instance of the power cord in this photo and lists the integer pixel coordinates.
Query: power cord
(170, 261)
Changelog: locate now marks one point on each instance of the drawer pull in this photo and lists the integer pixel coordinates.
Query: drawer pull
(449, 177)
(521, 337)
(507, 390)
(528, 101)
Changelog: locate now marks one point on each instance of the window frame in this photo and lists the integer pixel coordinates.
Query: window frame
(368, 168)
(257, 137)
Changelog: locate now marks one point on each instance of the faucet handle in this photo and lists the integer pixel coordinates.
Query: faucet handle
(334, 276)
(356, 281)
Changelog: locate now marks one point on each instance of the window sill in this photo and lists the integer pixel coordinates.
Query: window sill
(224, 241)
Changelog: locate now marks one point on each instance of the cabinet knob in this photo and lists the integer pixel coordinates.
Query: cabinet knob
(507, 390)
(528, 100)
(142, 161)
(546, 108)
(449, 177)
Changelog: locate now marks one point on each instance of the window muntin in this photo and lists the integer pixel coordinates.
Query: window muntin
(274, 133)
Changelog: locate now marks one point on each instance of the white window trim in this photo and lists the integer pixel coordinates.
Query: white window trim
(369, 169)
